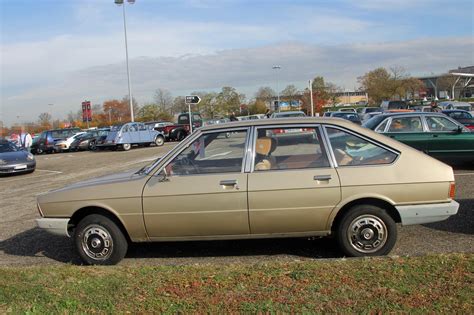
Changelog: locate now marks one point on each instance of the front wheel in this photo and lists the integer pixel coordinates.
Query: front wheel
(92, 146)
(159, 141)
(99, 241)
(366, 230)
(126, 146)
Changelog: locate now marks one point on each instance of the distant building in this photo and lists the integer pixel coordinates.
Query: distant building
(456, 83)
(351, 97)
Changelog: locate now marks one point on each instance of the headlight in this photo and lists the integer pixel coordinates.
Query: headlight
(30, 157)
(3, 162)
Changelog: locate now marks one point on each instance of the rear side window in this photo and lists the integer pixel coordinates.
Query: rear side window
(406, 124)
(351, 150)
(289, 148)
(381, 127)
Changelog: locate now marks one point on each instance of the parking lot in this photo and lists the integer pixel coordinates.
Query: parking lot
(21, 243)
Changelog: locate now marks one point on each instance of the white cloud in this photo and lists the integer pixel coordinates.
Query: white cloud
(246, 69)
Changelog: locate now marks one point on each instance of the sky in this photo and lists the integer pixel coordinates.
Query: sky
(62, 52)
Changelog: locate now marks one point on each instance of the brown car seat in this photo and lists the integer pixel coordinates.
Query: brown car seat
(264, 148)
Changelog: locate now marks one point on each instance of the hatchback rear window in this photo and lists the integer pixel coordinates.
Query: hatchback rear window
(351, 150)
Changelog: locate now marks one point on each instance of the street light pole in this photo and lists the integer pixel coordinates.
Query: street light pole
(52, 120)
(311, 94)
(278, 90)
(121, 2)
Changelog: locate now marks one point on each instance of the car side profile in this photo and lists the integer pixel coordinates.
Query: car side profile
(48, 139)
(129, 134)
(433, 133)
(243, 180)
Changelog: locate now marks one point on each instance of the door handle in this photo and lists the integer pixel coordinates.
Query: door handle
(435, 136)
(229, 182)
(322, 177)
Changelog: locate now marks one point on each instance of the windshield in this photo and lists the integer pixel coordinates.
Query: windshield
(6, 146)
(116, 128)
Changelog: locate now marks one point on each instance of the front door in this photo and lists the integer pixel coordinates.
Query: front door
(447, 142)
(293, 187)
(202, 191)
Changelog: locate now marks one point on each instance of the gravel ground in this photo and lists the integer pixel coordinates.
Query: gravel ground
(21, 243)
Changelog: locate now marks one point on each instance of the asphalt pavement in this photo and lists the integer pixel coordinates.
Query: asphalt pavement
(22, 243)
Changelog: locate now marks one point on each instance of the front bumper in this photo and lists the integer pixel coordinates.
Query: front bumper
(54, 225)
(427, 213)
(18, 168)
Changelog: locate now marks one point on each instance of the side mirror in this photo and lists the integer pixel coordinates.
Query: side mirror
(458, 130)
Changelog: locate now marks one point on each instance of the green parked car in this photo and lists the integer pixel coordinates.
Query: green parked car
(433, 133)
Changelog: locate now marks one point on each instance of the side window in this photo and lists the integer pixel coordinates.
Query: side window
(133, 128)
(125, 128)
(142, 127)
(381, 127)
(438, 123)
(406, 124)
(352, 150)
(220, 152)
(289, 148)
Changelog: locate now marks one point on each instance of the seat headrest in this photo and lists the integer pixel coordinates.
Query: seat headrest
(265, 145)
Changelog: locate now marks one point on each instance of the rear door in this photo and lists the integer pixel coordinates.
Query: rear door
(409, 130)
(292, 186)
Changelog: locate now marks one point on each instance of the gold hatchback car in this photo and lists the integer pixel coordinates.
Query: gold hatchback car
(265, 178)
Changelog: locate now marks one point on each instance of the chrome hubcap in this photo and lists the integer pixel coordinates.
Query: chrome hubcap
(367, 233)
(97, 242)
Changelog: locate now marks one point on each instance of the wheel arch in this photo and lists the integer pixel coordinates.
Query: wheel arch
(384, 204)
(88, 210)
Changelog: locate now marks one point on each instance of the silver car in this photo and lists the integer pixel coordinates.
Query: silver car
(126, 135)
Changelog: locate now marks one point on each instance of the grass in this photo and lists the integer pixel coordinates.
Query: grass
(433, 284)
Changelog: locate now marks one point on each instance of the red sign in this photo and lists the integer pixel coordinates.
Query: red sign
(86, 111)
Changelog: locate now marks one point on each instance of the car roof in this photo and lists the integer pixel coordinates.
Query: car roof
(454, 110)
(279, 121)
(412, 113)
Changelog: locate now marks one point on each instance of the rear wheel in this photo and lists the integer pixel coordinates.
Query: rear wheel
(159, 141)
(126, 146)
(99, 241)
(366, 230)
(180, 136)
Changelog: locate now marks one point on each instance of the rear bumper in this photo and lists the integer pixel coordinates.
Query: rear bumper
(427, 213)
(54, 225)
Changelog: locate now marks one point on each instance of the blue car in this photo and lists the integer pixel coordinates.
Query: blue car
(129, 134)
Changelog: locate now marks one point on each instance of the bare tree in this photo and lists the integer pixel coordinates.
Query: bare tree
(163, 99)
(44, 119)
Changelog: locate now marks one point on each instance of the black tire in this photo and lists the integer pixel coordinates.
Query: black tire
(159, 141)
(91, 236)
(39, 151)
(366, 230)
(92, 146)
(180, 136)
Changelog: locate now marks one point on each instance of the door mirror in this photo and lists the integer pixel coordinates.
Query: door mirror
(458, 130)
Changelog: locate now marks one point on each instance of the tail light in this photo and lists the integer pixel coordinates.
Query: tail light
(452, 190)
